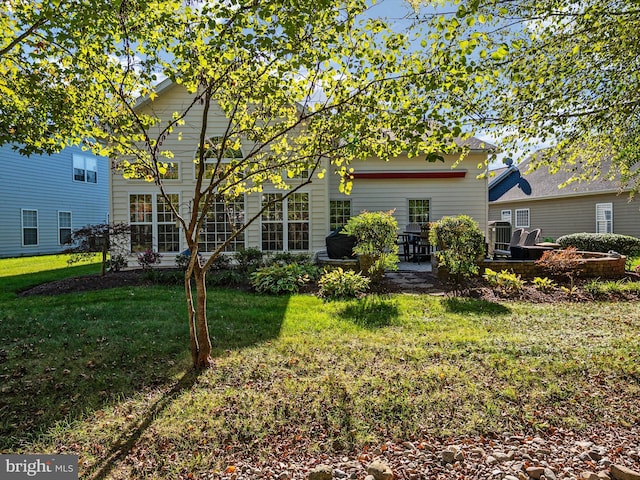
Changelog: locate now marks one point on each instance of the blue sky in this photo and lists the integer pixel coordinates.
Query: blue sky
(399, 13)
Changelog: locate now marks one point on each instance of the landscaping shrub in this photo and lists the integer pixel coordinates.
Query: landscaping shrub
(505, 282)
(221, 262)
(459, 245)
(606, 289)
(148, 258)
(249, 259)
(562, 263)
(376, 235)
(224, 278)
(602, 242)
(182, 259)
(285, 258)
(278, 279)
(339, 283)
(116, 262)
(544, 284)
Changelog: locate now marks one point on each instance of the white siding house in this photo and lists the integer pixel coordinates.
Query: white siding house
(414, 188)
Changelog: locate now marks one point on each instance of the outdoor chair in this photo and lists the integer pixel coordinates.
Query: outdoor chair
(418, 238)
(532, 238)
(518, 236)
(403, 246)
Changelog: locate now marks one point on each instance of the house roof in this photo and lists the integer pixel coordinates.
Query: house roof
(520, 185)
(473, 143)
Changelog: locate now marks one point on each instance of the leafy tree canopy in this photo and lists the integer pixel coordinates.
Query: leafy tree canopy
(558, 72)
(294, 83)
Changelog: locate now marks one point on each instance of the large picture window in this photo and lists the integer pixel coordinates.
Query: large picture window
(64, 228)
(604, 217)
(419, 211)
(85, 169)
(285, 223)
(29, 227)
(153, 224)
(224, 218)
(339, 213)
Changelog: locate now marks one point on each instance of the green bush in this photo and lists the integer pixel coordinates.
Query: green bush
(599, 288)
(221, 262)
(249, 259)
(459, 245)
(376, 235)
(504, 281)
(163, 277)
(544, 284)
(224, 278)
(116, 263)
(602, 242)
(278, 279)
(285, 258)
(339, 283)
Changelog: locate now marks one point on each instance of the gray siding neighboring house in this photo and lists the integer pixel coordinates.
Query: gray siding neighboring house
(44, 197)
(535, 200)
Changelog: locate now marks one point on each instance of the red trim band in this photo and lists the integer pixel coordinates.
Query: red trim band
(394, 175)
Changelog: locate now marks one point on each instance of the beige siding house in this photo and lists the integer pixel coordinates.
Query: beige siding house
(535, 200)
(417, 190)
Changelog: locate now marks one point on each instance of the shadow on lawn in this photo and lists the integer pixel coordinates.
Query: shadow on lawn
(372, 312)
(64, 357)
(472, 306)
(119, 450)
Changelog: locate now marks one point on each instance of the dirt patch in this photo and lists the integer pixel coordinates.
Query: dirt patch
(86, 283)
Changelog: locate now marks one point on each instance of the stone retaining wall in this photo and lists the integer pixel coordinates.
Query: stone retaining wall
(595, 265)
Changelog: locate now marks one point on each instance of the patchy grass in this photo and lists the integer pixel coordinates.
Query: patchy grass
(106, 375)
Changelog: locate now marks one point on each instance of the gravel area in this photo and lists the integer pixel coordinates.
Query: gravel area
(599, 454)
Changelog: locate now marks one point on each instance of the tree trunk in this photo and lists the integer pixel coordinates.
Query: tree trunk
(191, 312)
(203, 358)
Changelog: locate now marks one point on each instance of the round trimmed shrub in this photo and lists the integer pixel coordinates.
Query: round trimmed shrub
(459, 245)
(602, 242)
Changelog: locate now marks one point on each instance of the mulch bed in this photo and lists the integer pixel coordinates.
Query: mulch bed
(475, 288)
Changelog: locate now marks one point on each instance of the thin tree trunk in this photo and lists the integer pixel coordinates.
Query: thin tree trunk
(204, 359)
(192, 320)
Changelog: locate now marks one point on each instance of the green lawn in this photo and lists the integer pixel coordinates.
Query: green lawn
(106, 374)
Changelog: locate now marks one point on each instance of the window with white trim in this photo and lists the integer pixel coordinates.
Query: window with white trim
(85, 169)
(64, 228)
(285, 223)
(212, 146)
(153, 224)
(339, 213)
(604, 217)
(419, 211)
(141, 220)
(171, 172)
(505, 215)
(168, 233)
(225, 217)
(29, 227)
(522, 218)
